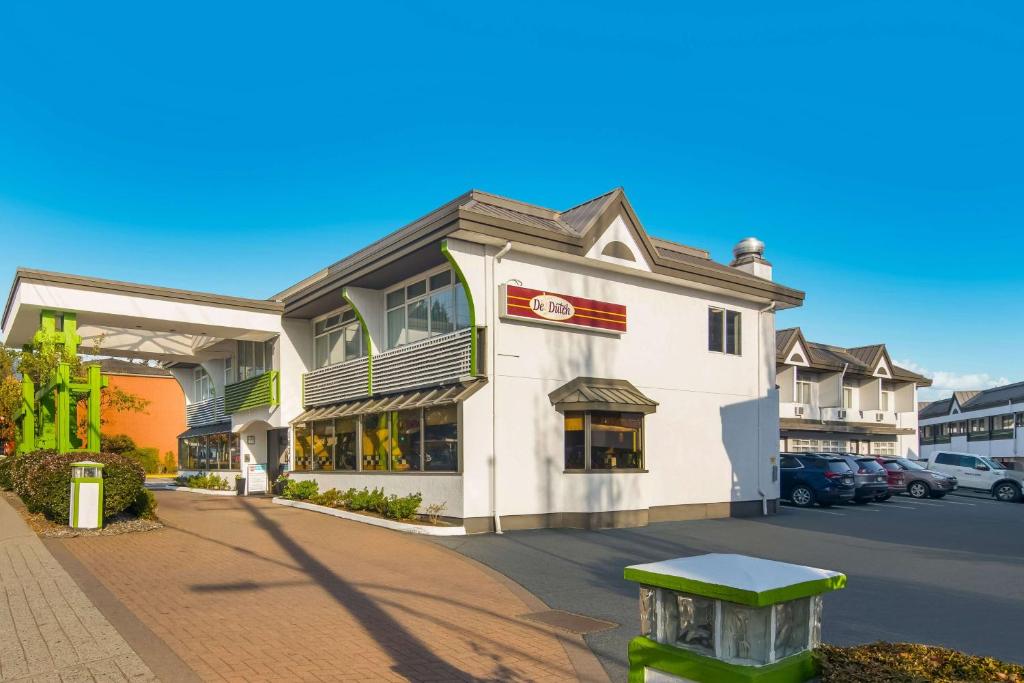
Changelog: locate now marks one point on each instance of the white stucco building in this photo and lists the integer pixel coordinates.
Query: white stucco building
(849, 400)
(989, 422)
(524, 366)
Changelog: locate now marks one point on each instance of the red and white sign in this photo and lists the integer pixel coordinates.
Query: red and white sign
(561, 309)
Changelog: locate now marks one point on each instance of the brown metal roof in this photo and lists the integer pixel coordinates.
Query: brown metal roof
(859, 360)
(595, 393)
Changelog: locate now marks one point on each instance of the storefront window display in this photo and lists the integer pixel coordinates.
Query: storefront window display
(210, 452)
(599, 441)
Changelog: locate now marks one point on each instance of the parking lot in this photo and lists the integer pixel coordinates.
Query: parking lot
(946, 572)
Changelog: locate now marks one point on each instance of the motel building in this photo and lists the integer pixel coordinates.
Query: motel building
(989, 423)
(526, 367)
(845, 400)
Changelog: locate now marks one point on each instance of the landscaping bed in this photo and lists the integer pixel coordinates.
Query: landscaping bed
(910, 663)
(413, 525)
(118, 524)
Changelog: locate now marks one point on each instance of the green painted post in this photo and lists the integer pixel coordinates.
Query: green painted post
(469, 303)
(27, 440)
(93, 434)
(63, 408)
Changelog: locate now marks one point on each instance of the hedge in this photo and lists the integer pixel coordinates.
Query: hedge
(909, 663)
(43, 480)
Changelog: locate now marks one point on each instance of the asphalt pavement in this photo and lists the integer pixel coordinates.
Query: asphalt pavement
(944, 572)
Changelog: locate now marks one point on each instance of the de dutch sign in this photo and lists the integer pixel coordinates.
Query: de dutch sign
(554, 308)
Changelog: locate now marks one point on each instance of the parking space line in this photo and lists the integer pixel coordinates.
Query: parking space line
(815, 512)
(863, 509)
(957, 502)
(900, 507)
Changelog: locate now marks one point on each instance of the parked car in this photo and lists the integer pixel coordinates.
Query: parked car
(869, 477)
(923, 482)
(980, 473)
(894, 472)
(809, 478)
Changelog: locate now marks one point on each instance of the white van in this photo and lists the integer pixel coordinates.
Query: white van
(980, 473)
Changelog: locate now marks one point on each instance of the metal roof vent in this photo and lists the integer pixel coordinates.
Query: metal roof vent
(748, 256)
(747, 248)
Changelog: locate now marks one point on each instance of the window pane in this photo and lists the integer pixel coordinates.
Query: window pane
(715, 322)
(302, 448)
(333, 321)
(353, 342)
(320, 327)
(442, 312)
(235, 450)
(441, 438)
(440, 280)
(575, 441)
(348, 315)
(337, 350)
(322, 355)
(376, 442)
(615, 441)
(416, 289)
(345, 444)
(461, 308)
(396, 298)
(732, 332)
(405, 451)
(396, 327)
(323, 446)
(417, 321)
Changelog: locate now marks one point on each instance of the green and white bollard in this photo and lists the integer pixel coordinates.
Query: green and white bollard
(86, 495)
(727, 619)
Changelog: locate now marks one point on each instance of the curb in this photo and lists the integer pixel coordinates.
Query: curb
(423, 530)
(205, 492)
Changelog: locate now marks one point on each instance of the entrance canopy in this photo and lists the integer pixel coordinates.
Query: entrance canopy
(143, 321)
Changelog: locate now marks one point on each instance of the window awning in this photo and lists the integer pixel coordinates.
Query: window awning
(595, 393)
(421, 398)
(204, 430)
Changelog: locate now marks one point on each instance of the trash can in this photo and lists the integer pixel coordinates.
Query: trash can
(86, 495)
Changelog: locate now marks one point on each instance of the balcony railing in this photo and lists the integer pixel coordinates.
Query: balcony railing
(255, 392)
(208, 412)
(440, 359)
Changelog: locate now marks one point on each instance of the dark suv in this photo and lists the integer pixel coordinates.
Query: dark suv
(870, 477)
(809, 478)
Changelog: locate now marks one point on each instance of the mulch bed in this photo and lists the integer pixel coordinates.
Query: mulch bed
(120, 524)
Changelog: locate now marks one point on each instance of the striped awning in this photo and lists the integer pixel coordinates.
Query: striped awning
(595, 393)
(421, 398)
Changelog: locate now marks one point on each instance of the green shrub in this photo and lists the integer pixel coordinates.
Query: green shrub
(403, 507)
(300, 490)
(909, 663)
(212, 482)
(366, 499)
(6, 473)
(330, 498)
(149, 458)
(45, 484)
(117, 443)
(144, 505)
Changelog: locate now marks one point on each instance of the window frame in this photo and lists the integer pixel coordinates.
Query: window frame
(341, 327)
(246, 353)
(726, 315)
(796, 392)
(203, 388)
(428, 293)
(588, 445)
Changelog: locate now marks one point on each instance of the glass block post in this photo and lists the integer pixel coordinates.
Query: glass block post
(723, 617)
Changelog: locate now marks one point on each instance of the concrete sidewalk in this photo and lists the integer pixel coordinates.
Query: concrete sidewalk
(49, 630)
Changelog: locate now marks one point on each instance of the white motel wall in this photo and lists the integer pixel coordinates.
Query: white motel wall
(709, 445)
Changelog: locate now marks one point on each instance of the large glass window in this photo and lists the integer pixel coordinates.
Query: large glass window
(322, 434)
(426, 308)
(376, 441)
(407, 441)
(337, 338)
(724, 331)
(441, 438)
(303, 448)
(210, 452)
(603, 441)
(202, 385)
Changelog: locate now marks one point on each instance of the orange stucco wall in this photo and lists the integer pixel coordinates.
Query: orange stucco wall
(163, 419)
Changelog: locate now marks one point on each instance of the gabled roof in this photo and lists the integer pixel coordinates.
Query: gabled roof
(968, 401)
(596, 393)
(572, 231)
(860, 360)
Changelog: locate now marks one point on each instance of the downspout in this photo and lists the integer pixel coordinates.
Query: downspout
(757, 436)
(494, 394)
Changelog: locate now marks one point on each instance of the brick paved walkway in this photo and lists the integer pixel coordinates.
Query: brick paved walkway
(49, 630)
(242, 589)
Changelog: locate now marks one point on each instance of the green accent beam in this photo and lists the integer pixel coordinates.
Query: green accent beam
(469, 300)
(27, 442)
(366, 344)
(261, 390)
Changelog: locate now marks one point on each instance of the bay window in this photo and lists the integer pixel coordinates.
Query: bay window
(426, 308)
(603, 441)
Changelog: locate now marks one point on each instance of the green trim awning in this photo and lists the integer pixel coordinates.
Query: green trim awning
(206, 430)
(422, 398)
(595, 393)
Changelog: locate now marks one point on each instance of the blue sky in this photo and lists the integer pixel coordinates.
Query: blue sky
(875, 147)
